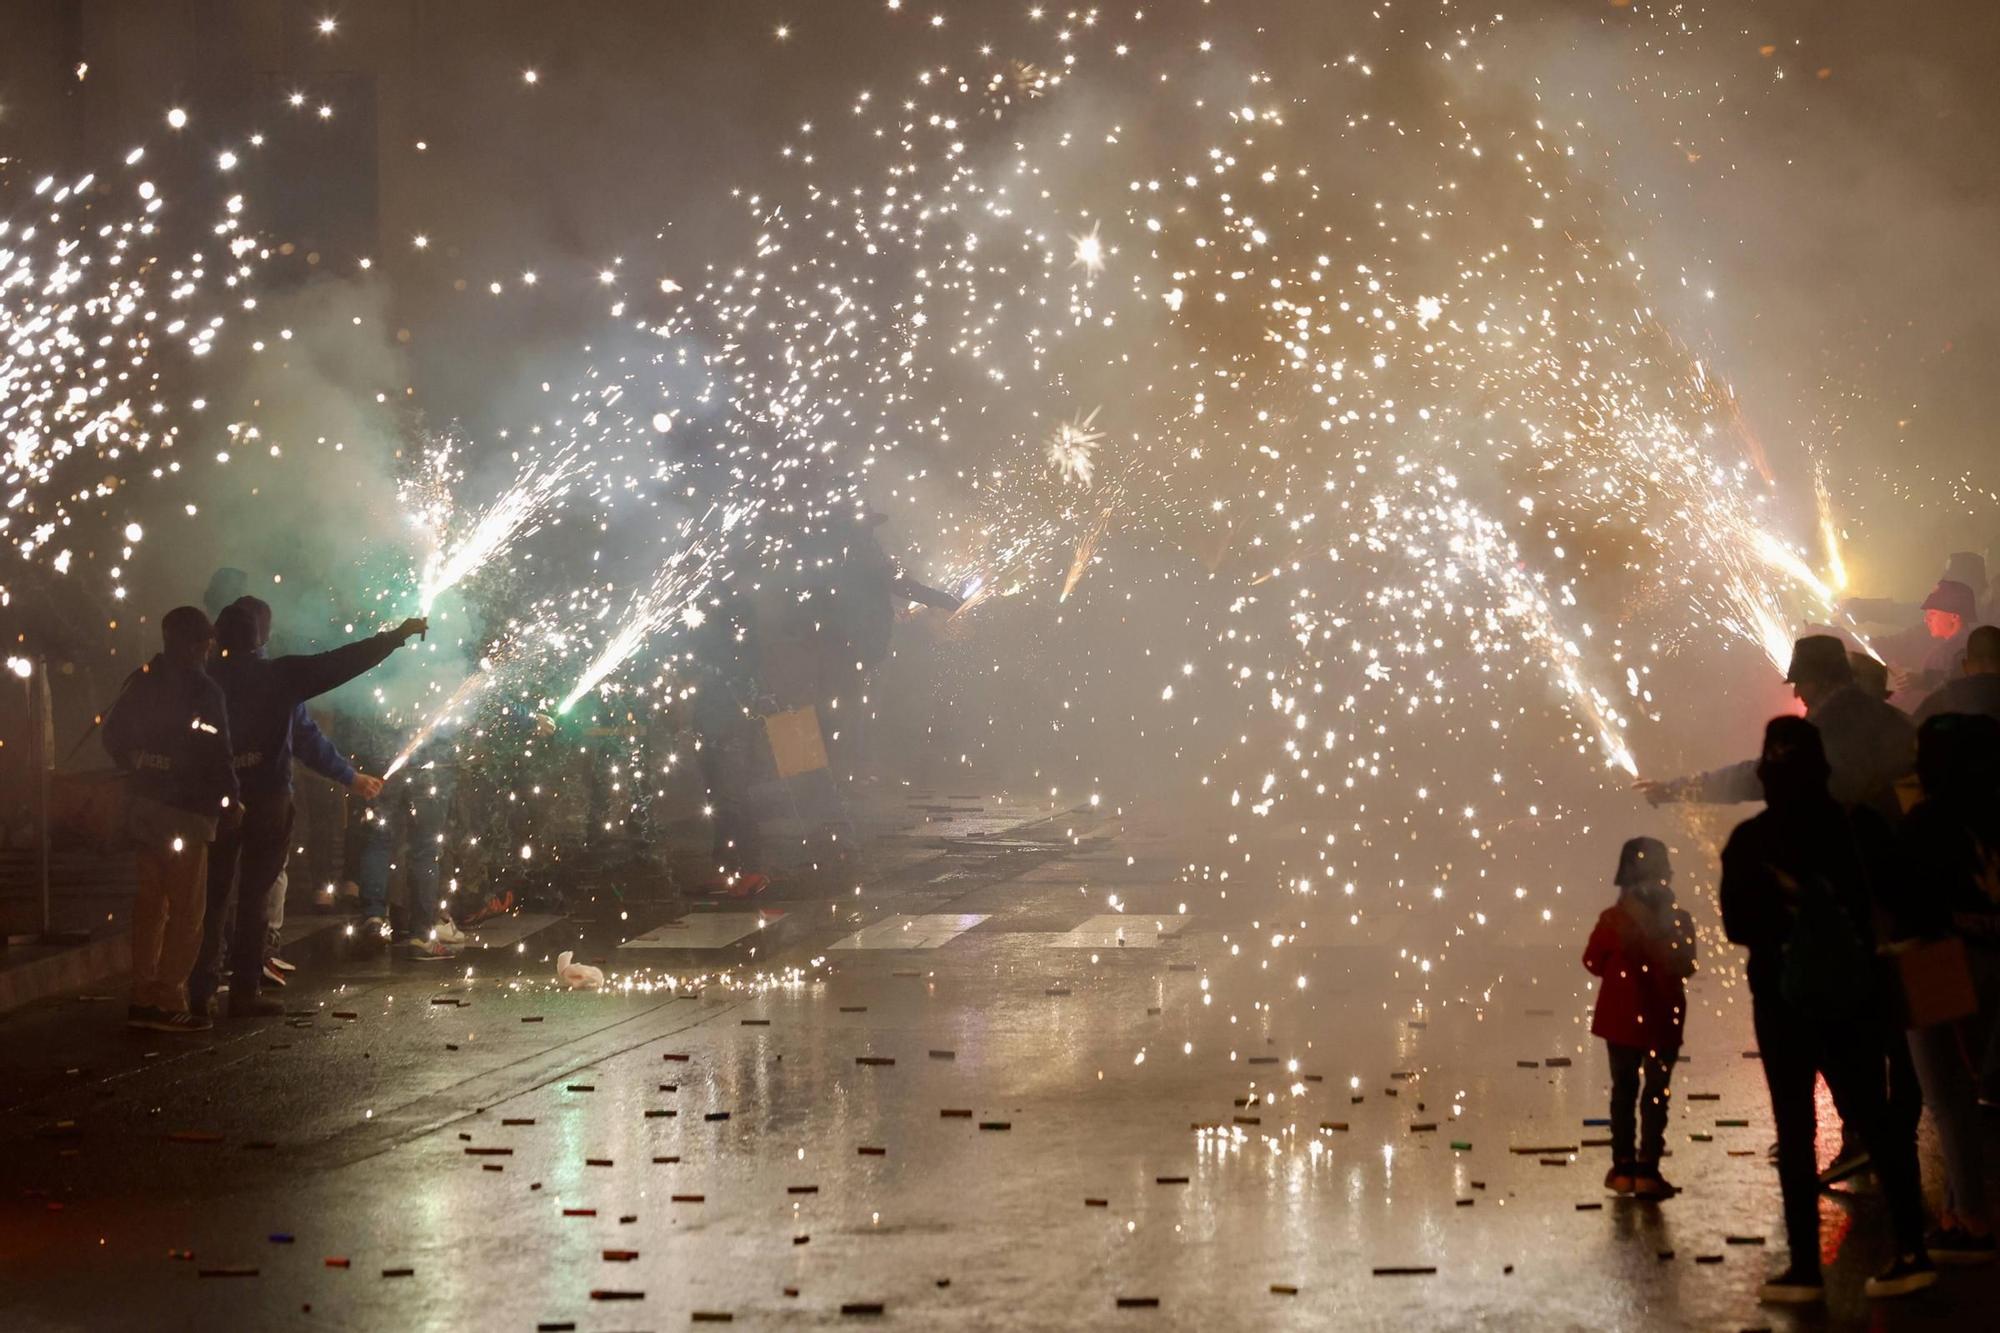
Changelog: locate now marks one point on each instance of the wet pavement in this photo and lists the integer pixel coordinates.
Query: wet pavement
(1019, 1081)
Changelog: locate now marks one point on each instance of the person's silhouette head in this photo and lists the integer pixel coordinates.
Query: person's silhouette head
(1793, 764)
(186, 636)
(1958, 756)
(259, 612)
(1819, 667)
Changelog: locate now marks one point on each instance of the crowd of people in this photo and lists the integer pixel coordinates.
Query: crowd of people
(210, 728)
(1867, 894)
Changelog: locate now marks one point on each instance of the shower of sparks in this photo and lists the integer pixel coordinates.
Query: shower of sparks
(94, 325)
(672, 599)
(452, 713)
(1415, 481)
(513, 515)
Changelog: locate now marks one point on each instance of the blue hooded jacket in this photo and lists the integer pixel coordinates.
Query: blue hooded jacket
(169, 728)
(267, 707)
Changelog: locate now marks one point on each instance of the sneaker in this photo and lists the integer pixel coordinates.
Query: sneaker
(280, 964)
(495, 906)
(1648, 1183)
(447, 931)
(1794, 1286)
(160, 1020)
(256, 1006)
(272, 975)
(1956, 1245)
(428, 951)
(1911, 1272)
(1619, 1179)
(372, 932)
(1851, 1162)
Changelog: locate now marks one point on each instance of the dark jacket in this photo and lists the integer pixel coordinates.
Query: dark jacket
(1773, 855)
(1643, 956)
(1964, 694)
(265, 694)
(1949, 859)
(169, 728)
(1870, 746)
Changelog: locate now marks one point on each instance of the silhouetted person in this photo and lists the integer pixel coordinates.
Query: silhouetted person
(1950, 849)
(169, 729)
(265, 698)
(1798, 888)
(1870, 744)
(1977, 690)
(403, 827)
(1642, 951)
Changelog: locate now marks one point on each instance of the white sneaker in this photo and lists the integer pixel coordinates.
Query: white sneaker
(447, 931)
(428, 951)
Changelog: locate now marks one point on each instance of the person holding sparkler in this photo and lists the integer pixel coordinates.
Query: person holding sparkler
(1870, 744)
(265, 697)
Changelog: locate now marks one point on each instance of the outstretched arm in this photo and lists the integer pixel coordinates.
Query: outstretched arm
(1718, 786)
(315, 674)
(911, 590)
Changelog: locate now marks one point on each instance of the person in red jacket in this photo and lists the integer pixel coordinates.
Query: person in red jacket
(1642, 951)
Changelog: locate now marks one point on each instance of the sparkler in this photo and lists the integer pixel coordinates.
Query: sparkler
(451, 713)
(510, 517)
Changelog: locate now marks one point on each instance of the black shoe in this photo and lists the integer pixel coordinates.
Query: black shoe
(1911, 1272)
(256, 1006)
(1850, 1163)
(1956, 1245)
(1794, 1286)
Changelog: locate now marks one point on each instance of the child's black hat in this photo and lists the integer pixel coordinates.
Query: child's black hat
(1642, 859)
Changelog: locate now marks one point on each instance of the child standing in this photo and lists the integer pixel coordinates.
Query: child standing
(1643, 951)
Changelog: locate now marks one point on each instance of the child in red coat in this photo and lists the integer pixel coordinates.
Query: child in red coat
(1643, 952)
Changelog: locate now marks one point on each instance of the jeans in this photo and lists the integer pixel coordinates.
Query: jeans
(1627, 1106)
(1947, 1059)
(1795, 1048)
(404, 824)
(168, 909)
(241, 866)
